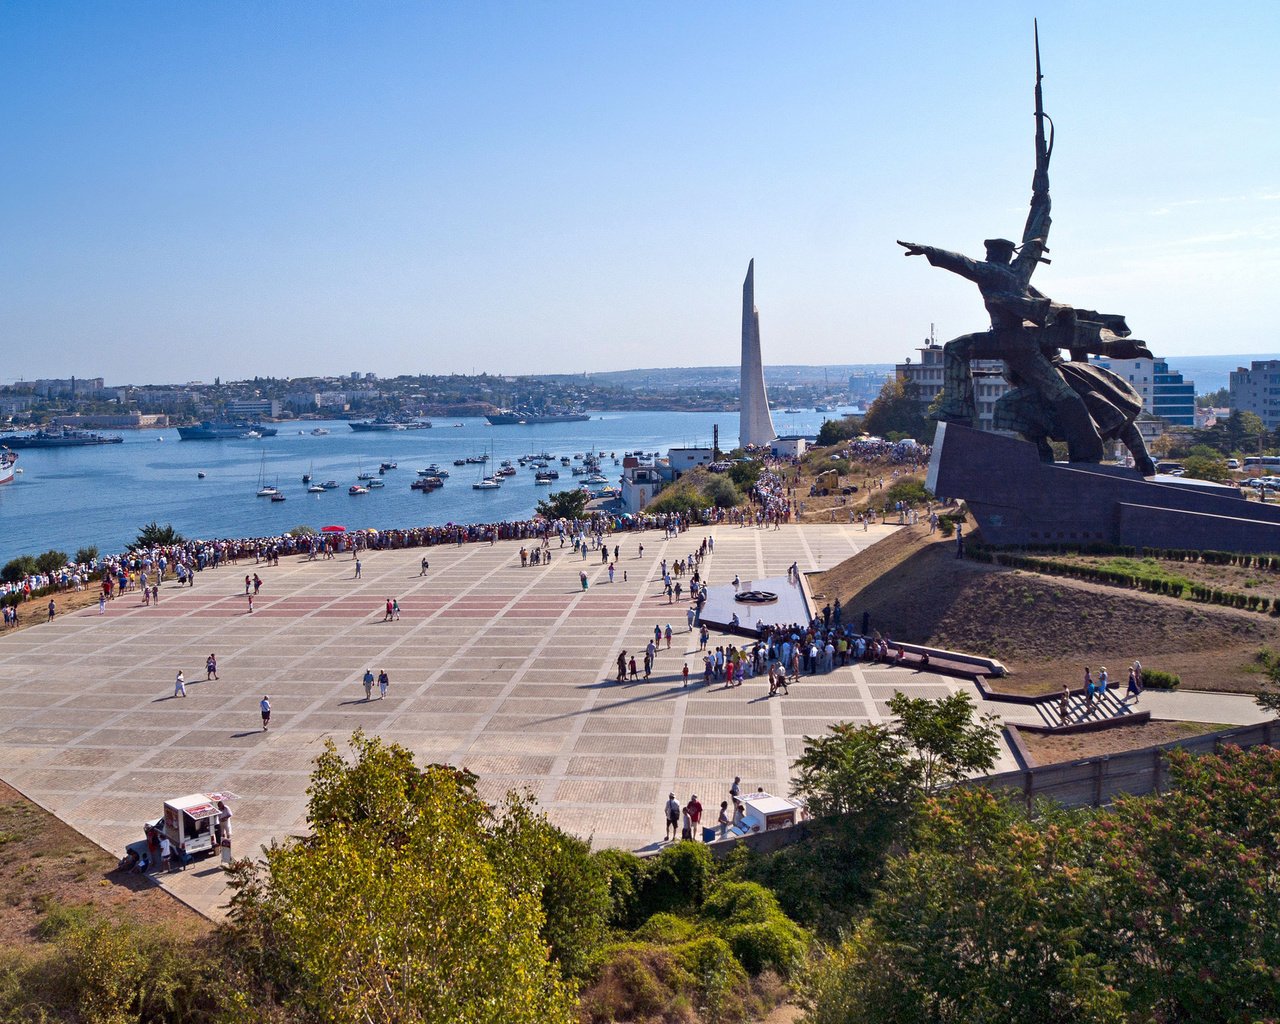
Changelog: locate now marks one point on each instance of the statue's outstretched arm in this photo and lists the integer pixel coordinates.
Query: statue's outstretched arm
(952, 261)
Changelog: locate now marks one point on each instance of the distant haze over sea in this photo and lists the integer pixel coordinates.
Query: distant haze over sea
(1211, 372)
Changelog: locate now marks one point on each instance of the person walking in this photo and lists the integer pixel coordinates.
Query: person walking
(689, 615)
(368, 684)
(264, 706)
(673, 818)
(684, 674)
(359, 567)
(250, 599)
(1064, 704)
(386, 615)
(395, 609)
(666, 634)
(1134, 689)
(425, 566)
(634, 673)
(210, 668)
(622, 667)
(180, 685)
(383, 682)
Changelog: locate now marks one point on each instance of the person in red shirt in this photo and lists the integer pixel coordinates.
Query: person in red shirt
(694, 809)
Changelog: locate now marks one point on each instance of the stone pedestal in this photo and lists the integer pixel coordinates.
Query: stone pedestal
(1019, 500)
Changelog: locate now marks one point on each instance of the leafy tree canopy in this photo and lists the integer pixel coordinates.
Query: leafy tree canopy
(563, 505)
(835, 431)
(895, 412)
(410, 901)
(154, 534)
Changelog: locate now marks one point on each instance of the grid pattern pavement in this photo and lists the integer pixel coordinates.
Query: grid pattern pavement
(506, 670)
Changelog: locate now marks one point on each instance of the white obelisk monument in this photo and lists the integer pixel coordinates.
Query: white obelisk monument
(755, 425)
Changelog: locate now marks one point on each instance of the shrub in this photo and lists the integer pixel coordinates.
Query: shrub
(1156, 679)
(741, 903)
(86, 555)
(777, 944)
(677, 879)
(719, 980)
(17, 568)
(913, 492)
(302, 531)
(666, 930)
(51, 561)
(624, 874)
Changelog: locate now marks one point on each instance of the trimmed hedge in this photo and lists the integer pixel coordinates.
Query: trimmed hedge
(1119, 578)
(1156, 679)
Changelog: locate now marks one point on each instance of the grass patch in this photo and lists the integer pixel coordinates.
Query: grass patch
(1147, 569)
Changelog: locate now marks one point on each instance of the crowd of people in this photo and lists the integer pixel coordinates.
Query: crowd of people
(144, 568)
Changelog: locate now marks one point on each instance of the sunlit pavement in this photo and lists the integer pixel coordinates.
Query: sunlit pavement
(509, 671)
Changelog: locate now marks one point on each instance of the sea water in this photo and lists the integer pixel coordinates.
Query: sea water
(67, 498)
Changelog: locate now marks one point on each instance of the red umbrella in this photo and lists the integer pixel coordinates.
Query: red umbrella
(333, 529)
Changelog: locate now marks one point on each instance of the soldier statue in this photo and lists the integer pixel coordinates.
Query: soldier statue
(1073, 401)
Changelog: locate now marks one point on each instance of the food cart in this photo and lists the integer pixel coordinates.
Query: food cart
(761, 812)
(190, 823)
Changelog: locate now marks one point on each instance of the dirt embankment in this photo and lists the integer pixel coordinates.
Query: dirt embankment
(45, 863)
(1045, 629)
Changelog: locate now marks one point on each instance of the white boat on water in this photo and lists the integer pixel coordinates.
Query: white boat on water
(265, 490)
(316, 489)
(7, 460)
(486, 484)
(319, 432)
(357, 489)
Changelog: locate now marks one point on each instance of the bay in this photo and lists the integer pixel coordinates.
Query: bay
(67, 498)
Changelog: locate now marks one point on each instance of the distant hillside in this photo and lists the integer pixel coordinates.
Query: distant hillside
(835, 375)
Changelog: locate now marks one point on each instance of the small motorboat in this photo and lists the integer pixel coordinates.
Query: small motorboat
(200, 475)
(386, 466)
(459, 462)
(329, 485)
(357, 489)
(278, 496)
(316, 489)
(376, 483)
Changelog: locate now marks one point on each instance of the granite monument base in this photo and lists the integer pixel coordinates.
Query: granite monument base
(1018, 500)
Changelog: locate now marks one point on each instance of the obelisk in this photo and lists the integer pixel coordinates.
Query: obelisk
(755, 425)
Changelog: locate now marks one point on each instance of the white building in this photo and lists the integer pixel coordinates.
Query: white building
(254, 407)
(923, 380)
(682, 459)
(788, 447)
(641, 482)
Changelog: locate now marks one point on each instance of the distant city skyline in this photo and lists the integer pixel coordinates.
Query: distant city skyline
(200, 192)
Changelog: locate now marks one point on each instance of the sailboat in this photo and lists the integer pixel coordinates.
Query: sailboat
(306, 477)
(265, 490)
(485, 483)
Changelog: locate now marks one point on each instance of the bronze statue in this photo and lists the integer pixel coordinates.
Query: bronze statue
(1028, 330)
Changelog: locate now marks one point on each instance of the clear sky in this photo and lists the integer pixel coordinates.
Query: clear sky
(201, 189)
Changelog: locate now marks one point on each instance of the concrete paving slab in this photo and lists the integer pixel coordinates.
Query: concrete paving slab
(508, 670)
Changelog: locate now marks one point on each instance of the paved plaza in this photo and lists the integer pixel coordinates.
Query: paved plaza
(509, 671)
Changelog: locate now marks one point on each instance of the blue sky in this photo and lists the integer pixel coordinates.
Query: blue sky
(234, 189)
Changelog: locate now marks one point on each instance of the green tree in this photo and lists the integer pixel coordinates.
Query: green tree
(1214, 399)
(1198, 467)
(154, 534)
(979, 920)
(563, 505)
(402, 904)
(302, 531)
(86, 555)
(721, 492)
(682, 496)
(908, 490)
(947, 742)
(745, 474)
(1190, 914)
(18, 568)
(895, 412)
(51, 561)
(834, 431)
